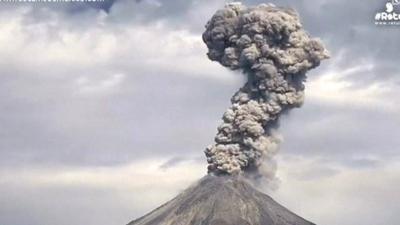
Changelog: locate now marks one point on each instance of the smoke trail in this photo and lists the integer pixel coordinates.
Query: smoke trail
(268, 44)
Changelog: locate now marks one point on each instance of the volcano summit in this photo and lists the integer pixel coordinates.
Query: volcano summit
(221, 200)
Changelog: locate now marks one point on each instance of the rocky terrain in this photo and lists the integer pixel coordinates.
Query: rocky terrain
(221, 200)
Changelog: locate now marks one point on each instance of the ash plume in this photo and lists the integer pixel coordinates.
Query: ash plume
(267, 44)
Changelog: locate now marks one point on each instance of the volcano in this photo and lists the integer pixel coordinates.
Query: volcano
(221, 200)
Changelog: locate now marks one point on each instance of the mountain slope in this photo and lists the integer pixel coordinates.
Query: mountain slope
(221, 200)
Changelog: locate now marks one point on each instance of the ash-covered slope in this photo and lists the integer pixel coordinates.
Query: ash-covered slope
(221, 200)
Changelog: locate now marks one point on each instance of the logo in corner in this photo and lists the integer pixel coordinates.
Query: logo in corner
(389, 16)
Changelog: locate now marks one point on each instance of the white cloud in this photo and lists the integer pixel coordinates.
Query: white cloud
(87, 86)
(341, 196)
(143, 175)
(337, 85)
(103, 45)
(112, 195)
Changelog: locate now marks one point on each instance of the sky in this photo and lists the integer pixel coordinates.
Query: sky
(106, 108)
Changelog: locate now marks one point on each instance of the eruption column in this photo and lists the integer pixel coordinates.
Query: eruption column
(269, 46)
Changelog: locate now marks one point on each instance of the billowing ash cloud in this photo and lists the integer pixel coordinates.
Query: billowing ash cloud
(269, 46)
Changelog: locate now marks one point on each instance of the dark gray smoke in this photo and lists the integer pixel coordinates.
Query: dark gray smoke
(269, 46)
